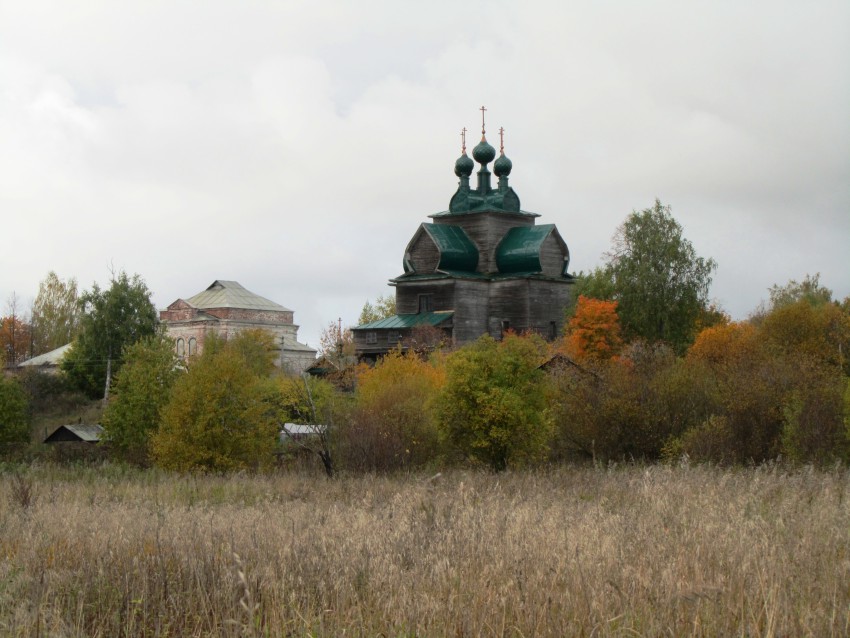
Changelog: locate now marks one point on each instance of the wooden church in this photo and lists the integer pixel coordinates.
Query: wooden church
(481, 267)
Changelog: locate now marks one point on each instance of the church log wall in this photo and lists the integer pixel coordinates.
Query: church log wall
(486, 229)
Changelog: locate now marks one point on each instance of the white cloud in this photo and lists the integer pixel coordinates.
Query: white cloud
(296, 146)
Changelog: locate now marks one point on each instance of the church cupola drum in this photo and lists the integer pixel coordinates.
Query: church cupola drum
(481, 267)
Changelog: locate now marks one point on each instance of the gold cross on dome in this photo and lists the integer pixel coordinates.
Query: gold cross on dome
(502, 139)
(463, 138)
(483, 108)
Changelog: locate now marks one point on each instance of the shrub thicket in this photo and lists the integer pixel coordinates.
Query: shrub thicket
(393, 425)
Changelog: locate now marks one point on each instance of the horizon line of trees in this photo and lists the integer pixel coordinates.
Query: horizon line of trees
(647, 369)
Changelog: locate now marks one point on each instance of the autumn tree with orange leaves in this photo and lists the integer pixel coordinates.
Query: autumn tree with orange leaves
(594, 331)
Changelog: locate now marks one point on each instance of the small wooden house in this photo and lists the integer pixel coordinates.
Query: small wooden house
(481, 267)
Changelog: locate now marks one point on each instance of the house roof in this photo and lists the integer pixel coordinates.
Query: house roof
(294, 346)
(231, 294)
(296, 429)
(51, 358)
(397, 322)
(88, 433)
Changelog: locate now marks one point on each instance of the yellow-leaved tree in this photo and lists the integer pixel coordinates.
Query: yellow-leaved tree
(220, 416)
(493, 406)
(393, 425)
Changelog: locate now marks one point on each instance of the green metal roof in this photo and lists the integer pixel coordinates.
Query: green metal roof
(519, 250)
(451, 274)
(231, 294)
(457, 252)
(408, 321)
(449, 213)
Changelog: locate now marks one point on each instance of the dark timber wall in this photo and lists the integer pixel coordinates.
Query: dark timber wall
(486, 230)
(442, 293)
(423, 252)
(552, 254)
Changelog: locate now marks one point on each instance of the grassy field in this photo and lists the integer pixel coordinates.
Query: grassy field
(627, 551)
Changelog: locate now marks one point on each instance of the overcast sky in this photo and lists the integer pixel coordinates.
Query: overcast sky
(295, 146)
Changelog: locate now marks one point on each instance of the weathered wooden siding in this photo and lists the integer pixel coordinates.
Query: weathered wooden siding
(441, 290)
(483, 306)
(552, 254)
(472, 302)
(381, 343)
(547, 302)
(423, 253)
(508, 303)
(486, 231)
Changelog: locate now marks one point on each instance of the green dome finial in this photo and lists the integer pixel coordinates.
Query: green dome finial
(463, 165)
(502, 167)
(483, 153)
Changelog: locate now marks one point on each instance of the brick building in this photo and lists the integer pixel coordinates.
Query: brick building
(225, 309)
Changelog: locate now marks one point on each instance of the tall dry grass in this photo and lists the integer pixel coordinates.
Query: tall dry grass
(627, 551)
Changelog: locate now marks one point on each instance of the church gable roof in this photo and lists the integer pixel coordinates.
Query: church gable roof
(440, 248)
(519, 250)
(231, 294)
(457, 252)
(180, 304)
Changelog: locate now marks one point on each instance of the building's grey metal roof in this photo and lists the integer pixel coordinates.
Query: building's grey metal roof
(231, 294)
(51, 358)
(295, 346)
(300, 429)
(88, 433)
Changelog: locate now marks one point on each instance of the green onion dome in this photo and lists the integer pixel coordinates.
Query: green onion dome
(464, 166)
(503, 166)
(483, 153)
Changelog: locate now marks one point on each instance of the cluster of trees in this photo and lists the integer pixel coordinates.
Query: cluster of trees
(219, 411)
(742, 392)
(646, 369)
(52, 320)
(223, 410)
(657, 373)
(99, 324)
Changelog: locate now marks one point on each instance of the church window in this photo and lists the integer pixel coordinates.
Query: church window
(193, 347)
(181, 348)
(426, 303)
(372, 337)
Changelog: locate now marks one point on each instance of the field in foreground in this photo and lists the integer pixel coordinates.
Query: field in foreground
(620, 551)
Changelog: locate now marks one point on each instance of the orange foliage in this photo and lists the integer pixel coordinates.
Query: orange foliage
(723, 343)
(14, 339)
(594, 331)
